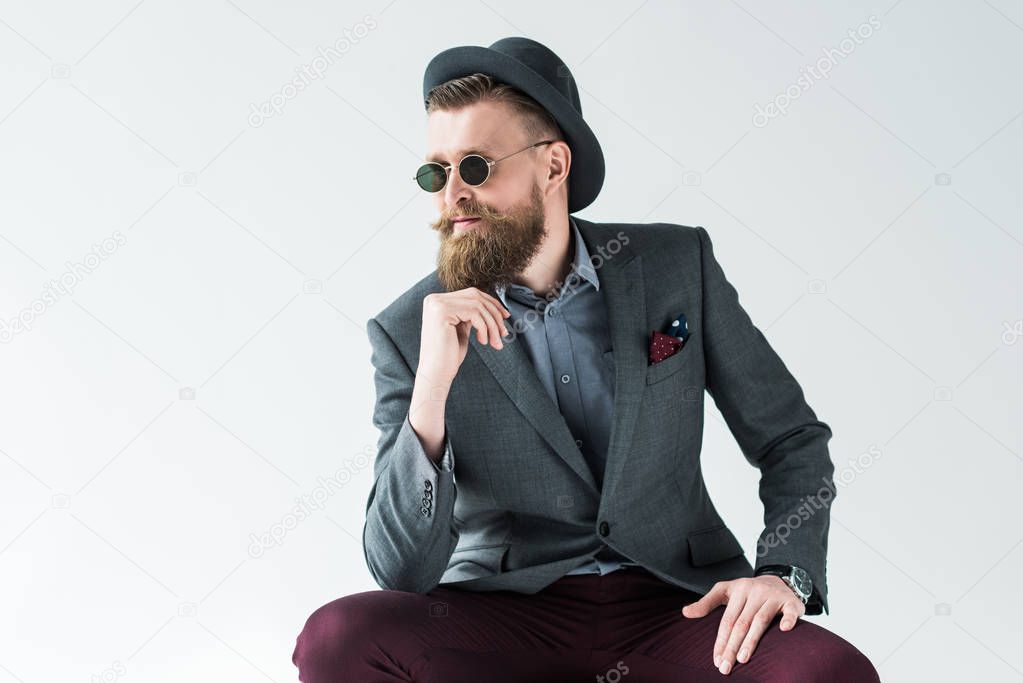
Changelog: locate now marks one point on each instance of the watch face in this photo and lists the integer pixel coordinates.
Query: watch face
(801, 581)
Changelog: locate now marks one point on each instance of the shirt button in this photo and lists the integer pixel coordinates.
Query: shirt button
(565, 379)
(579, 443)
(605, 529)
(551, 310)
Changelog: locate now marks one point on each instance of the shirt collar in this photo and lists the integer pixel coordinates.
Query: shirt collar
(581, 263)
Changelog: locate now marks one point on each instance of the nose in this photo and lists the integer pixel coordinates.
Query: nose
(456, 190)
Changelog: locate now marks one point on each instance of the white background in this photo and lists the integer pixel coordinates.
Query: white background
(215, 366)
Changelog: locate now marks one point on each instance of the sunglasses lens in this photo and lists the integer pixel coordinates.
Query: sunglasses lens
(474, 169)
(431, 177)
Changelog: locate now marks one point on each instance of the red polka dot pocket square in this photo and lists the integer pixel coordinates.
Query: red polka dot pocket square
(669, 342)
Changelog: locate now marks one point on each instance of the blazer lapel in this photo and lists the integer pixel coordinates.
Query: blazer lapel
(621, 280)
(514, 371)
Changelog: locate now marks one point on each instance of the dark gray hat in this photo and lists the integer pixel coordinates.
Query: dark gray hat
(538, 72)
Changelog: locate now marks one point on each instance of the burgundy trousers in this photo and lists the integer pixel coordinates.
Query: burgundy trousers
(623, 627)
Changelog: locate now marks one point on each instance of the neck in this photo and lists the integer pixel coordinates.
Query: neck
(551, 266)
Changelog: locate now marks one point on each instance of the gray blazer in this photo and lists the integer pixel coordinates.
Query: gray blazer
(525, 509)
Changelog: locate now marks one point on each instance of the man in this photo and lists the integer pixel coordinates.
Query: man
(538, 511)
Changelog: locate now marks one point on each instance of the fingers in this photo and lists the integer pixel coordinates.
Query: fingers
(481, 320)
(791, 611)
(490, 318)
(495, 318)
(496, 315)
(760, 622)
(750, 610)
(490, 299)
(702, 607)
(740, 629)
(487, 316)
(752, 607)
(736, 603)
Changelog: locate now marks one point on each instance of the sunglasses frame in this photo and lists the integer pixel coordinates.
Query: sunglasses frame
(447, 168)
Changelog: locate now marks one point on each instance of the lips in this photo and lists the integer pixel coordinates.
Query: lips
(465, 221)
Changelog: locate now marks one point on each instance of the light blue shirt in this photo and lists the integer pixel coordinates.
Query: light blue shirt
(569, 343)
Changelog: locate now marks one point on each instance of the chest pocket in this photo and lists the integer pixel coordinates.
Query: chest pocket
(669, 366)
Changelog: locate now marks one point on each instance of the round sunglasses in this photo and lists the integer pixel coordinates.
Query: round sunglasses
(473, 169)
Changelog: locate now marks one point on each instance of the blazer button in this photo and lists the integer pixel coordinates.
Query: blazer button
(605, 529)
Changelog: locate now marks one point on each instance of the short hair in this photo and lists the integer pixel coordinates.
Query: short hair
(478, 87)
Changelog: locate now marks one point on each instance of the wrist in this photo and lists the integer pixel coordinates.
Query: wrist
(796, 578)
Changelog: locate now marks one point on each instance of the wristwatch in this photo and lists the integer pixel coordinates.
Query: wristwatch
(796, 577)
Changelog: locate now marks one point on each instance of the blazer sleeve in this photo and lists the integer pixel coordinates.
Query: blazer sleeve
(776, 430)
(409, 534)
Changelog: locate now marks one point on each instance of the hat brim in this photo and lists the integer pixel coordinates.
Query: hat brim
(586, 174)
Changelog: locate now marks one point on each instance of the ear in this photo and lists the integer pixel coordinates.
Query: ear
(560, 164)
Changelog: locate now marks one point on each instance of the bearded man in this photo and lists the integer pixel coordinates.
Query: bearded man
(538, 511)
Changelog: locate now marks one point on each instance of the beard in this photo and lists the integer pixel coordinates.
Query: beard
(495, 249)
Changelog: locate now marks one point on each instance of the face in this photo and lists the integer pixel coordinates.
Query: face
(488, 233)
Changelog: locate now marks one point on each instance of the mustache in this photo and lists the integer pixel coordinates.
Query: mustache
(446, 222)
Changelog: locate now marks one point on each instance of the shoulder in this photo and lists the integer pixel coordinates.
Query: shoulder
(656, 242)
